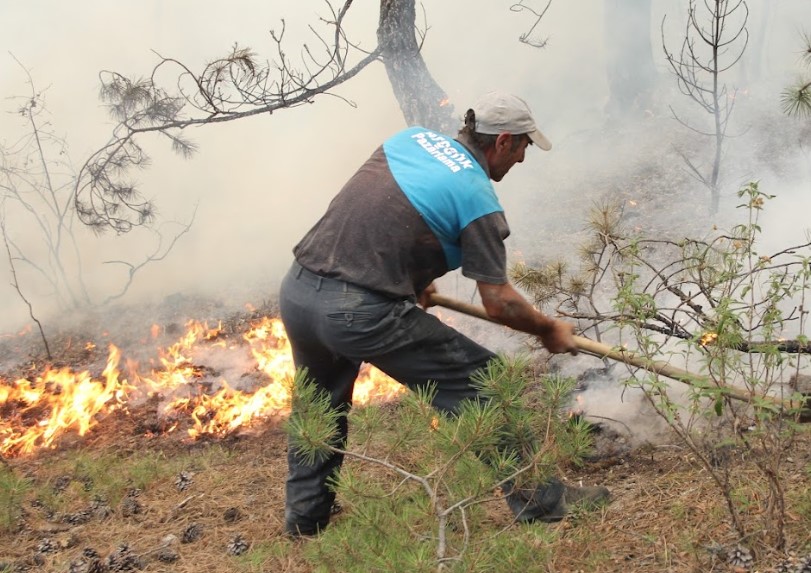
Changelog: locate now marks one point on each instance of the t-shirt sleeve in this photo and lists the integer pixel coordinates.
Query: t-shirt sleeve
(484, 256)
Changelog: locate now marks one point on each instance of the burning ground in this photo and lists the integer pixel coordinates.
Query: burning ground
(177, 463)
(212, 380)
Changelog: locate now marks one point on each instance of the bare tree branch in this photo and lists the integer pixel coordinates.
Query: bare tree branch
(698, 68)
(158, 254)
(526, 37)
(15, 283)
(234, 87)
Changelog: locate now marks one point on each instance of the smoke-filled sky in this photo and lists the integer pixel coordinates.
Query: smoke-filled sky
(260, 183)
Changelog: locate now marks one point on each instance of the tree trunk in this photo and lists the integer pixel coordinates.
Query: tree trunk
(755, 55)
(421, 99)
(629, 58)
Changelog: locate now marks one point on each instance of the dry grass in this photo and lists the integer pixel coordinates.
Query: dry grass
(665, 514)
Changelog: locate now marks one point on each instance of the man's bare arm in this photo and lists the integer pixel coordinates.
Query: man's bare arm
(507, 306)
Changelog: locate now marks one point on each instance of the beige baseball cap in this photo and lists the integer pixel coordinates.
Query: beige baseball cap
(499, 112)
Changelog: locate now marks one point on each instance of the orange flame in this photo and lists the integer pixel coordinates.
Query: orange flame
(58, 401)
(708, 338)
(34, 415)
(229, 409)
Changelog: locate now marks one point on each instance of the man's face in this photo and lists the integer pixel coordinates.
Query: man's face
(508, 151)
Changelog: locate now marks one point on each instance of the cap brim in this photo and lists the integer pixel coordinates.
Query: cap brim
(540, 140)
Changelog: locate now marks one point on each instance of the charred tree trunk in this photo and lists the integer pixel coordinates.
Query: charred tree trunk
(422, 100)
(629, 56)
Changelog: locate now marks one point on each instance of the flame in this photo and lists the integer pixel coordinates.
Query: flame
(229, 409)
(58, 401)
(708, 338)
(578, 408)
(36, 411)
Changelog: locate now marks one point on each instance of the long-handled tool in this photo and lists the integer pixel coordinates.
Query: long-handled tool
(616, 353)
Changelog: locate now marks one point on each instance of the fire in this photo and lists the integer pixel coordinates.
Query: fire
(708, 338)
(61, 401)
(577, 408)
(229, 409)
(36, 412)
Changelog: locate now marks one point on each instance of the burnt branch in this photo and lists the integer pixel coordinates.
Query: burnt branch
(236, 86)
(37, 180)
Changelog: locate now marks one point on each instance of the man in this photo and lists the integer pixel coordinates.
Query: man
(423, 204)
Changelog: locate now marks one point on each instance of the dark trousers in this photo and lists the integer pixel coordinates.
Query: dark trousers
(333, 326)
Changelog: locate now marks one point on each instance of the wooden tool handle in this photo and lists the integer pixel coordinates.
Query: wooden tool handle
(600, 350)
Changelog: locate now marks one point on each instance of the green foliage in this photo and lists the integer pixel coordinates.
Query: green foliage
(752, 302)
(727, 313)
(261, 554)
(533, 417)
(416, 481)
(796, 99)
(380, 534)
(393, 534)
(106, 476)
(13, 489)
(313, 424)
(110, 476)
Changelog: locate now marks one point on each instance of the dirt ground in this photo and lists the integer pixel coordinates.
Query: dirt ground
(231, 491)
(216, 504)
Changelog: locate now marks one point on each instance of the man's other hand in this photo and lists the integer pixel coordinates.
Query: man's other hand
(559, 338)
(424, 300)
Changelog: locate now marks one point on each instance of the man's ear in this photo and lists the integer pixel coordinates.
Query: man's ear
(503, 141)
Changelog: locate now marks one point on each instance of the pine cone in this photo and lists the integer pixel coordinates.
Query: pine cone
(100, 508)
(192, 533)
(740, 558)
(123, 559)
(61, 483)
(130, 504)
(87, 483)
(47, 545)
(88, 564)
(184, 480)
(77, 518)
(97, 566)
(76, 566)
(232, 514)
(804, 565)
(237, 545)
(167, 555)
(90, 553)
(794, 564)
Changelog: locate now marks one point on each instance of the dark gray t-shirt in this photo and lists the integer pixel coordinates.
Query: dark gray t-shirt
(421, 205)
